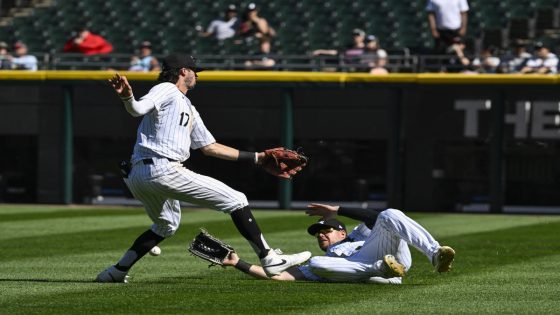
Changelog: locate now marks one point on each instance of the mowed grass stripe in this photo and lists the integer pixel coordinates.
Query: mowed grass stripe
(101, 238)
(453, 224)
(41, 227)
(497, 247)
(9, 213)
(446, 296)
(49, 215)
(78, 220)
(107, 239)
(36, 208)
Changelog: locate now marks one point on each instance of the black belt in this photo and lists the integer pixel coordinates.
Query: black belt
(151, 161)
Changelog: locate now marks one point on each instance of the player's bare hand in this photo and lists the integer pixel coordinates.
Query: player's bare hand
(231, 260)
(322, 210)
(121, 86)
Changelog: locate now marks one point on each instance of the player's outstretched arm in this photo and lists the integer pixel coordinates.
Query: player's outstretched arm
(258, 272)
(322, 210)
(368, 216)
(124, 90)
(221, 151)
(121, 86)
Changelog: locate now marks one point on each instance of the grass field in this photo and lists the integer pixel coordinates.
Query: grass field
(51, 254)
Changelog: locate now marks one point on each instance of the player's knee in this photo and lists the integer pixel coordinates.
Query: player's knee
(239, 202)
(390, 213)
(242, 200)
(164, 230)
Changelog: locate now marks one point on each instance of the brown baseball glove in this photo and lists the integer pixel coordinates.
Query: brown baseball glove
(282, 162)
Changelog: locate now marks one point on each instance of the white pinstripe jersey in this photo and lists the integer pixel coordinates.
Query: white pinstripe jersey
(356, 240)
(172, 128)
(348, 248)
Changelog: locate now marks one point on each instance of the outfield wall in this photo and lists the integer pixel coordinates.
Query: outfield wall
(417, 141)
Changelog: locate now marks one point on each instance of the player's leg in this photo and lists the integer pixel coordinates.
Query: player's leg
(349, 269)
(143, 244)
(383, 242)
(165, 225)
(165, 213)
(206, 191)
(212, 193)
(396, 222)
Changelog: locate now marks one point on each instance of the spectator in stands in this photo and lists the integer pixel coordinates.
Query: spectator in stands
(5, 57)
(253, 26)
(145, 61)
(358, 45)
(448, 20)
(224, 28)
(542, 62)
(22, 60)
(352, 53)
(519, 59)
(374, 56)
(354, 49)
(487, 62)
(87, 43)
(458, 62)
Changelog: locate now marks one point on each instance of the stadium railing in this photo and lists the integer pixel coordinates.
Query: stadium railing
(397, 63)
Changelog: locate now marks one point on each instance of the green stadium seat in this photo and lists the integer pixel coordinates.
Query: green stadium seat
(302, 25)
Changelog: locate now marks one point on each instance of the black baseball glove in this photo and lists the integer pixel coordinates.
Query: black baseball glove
(209, 248)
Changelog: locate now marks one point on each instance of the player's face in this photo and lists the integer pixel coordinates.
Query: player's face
(190, 80)
(329, 236)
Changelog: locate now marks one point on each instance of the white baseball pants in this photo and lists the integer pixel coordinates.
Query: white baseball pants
(161, 185)
(392, 232)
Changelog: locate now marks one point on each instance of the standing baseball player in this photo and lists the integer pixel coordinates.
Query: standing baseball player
(170, 127)
(376, 251)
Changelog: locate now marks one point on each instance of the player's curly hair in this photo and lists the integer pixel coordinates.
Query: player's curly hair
(169, 75)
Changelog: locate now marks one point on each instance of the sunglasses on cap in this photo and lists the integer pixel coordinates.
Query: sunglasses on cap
(324, 231)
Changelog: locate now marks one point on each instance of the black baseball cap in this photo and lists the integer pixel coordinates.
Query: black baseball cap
(325, 224)
(231, 8)
(145, 44)
(358, 32)
(178, 61)
(371, 38)
(539, 45)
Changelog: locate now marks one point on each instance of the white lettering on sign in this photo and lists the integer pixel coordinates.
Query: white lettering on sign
(537, 119)
(471, 108)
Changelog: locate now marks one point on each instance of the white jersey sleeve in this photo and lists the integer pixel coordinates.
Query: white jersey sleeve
(344, 249)
(347, 248)
(160, 94)
(308, 274)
